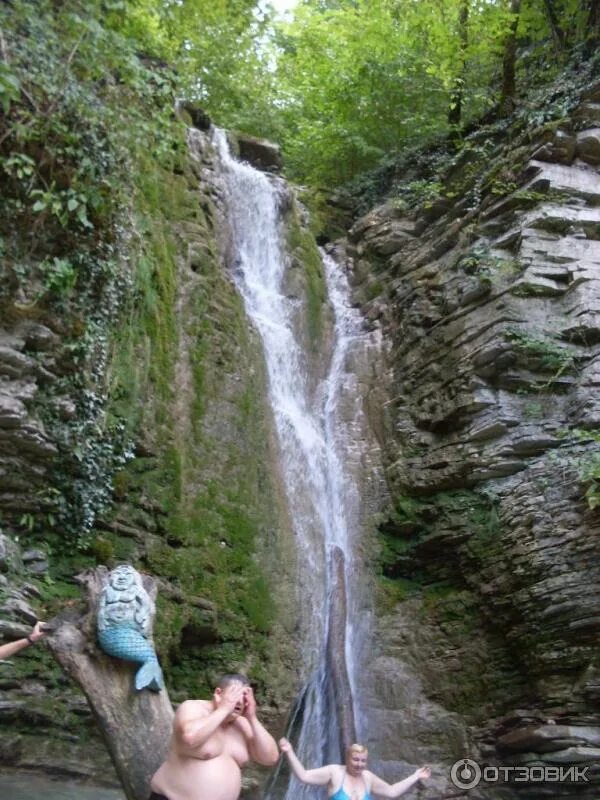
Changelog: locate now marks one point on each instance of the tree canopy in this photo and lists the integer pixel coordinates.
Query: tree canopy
(360, 78)
(340, 83)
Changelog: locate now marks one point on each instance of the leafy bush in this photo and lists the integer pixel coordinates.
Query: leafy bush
(81, 109)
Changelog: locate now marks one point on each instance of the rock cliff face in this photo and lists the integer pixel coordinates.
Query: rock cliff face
(489, 298)
(193, 498)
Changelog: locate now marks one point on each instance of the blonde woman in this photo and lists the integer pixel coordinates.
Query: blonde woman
(352, 780)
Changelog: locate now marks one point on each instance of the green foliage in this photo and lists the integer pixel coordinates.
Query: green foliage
(590, 474)
(391, 591)
(363, 79)
(530, 196)
(422, 192)
(9, 87)
(542, 352)
(492, 270)
(59, 275)
(555, 87)
(342, 85)
(415, 520)
(219, 50)
(588, 467)
(70, 130)
(359, 80)
(82, 109)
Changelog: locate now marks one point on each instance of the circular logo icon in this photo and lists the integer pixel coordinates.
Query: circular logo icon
(465, 774)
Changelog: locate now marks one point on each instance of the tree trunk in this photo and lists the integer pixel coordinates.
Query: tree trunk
(136, 726)
(456, 98)
(593, 18)
(557, 31)
(509, 89)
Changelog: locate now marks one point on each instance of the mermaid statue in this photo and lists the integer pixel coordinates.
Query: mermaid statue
(125, 615)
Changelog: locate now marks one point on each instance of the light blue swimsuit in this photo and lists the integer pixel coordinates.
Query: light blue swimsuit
(342, 795)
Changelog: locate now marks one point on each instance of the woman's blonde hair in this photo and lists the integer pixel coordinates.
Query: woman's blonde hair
(356, 748)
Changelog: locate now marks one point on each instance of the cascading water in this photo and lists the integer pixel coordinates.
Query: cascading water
(318, 432)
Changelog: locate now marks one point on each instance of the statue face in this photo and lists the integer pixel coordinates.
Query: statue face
(122, 577)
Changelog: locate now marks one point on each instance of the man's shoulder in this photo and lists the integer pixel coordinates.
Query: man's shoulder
(194, 707)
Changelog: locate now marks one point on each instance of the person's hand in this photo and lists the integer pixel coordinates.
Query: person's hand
(37, 632)
(285, 746)
(249, 703)
(423, 773)
(232, 697)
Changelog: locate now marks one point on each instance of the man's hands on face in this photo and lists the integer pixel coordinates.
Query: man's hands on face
(249, 703)
(232, 698)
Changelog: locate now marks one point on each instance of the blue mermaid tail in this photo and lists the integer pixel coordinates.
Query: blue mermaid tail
(124, 641)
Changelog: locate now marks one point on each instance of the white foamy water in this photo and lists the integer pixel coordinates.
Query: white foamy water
(320, 433)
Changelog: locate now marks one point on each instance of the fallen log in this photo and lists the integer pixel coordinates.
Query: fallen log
(339, 681)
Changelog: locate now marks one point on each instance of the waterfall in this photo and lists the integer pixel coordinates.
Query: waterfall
(320, 436)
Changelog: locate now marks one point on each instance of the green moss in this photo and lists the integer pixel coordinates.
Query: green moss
(303, 247)
(145, 343)
(103, 550)
(415, 520)
(489, 268)
(523, 289)
(210, 482)
(327, 222)
(389, 592)
(256, 604)
(374, 289)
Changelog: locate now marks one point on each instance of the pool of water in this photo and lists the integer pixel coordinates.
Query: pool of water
(24, 786)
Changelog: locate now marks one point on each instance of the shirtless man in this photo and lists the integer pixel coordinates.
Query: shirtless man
(211, 742)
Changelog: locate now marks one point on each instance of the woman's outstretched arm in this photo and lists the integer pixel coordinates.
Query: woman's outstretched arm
(315, 777)
(12, 648)
(392, 790)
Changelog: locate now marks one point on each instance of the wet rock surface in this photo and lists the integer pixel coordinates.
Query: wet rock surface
(220, 433)
(31, 698)
(491, 305)
(261, 153)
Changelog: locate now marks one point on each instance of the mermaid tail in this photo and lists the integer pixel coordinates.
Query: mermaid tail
(122, 641)
(149, 676)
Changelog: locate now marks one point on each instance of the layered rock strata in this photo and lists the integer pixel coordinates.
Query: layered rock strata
(490, 298)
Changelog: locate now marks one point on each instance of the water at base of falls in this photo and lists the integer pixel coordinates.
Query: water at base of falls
(28, 786)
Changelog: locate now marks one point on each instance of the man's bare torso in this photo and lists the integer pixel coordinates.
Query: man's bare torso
(211, 771)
